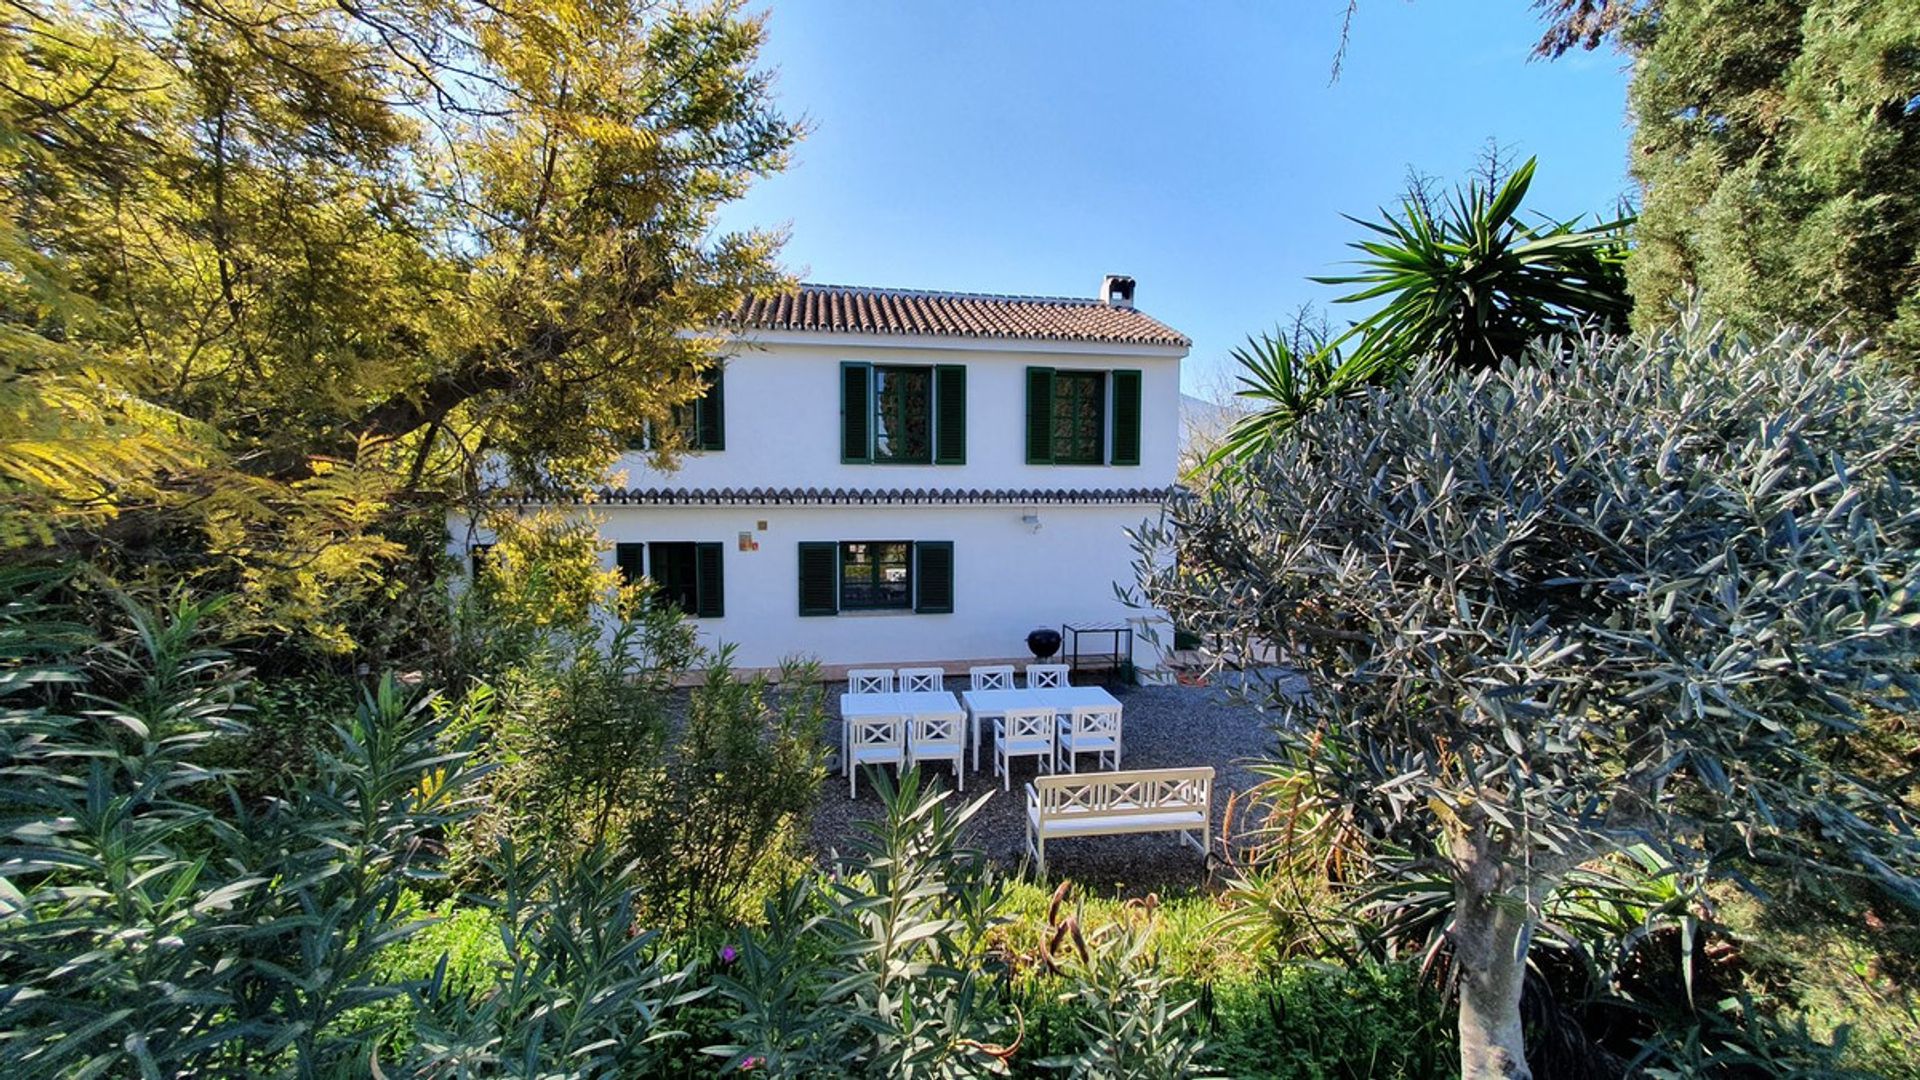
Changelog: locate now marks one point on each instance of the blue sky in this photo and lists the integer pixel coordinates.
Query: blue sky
(1032, 147)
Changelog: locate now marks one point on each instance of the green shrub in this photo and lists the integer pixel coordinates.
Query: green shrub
(874, 968)
(153, 922)
(1325, 1023)
(721, 824)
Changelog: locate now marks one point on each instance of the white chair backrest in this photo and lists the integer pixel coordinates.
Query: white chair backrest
(1142, 791)
(1029, 724)
(1095, 720)
(992, 678)
(938, 731)
(1046, 676)
(870, 681)
(875, 733)
(917, 680)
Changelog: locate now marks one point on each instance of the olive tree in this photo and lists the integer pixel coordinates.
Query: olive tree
(1639, 592)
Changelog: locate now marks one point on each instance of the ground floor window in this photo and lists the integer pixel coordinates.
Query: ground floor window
(876, 575)
(686, 574)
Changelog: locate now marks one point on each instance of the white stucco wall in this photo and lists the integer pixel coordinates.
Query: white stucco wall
(783, 417)
(1008, 579)
(783, 429)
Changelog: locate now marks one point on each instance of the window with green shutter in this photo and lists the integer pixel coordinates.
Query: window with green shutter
(1077, 417)
(819, 578)
(902, 414)
(876, 575)
(1126, 418)
(700, 424)
(933, 577)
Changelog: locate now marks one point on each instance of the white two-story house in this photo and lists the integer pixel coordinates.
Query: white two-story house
(891, 476)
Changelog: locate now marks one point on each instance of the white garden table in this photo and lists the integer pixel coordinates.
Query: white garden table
(921, 704)
(984, 705)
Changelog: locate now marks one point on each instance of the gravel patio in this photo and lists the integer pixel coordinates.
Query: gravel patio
(1165, 727)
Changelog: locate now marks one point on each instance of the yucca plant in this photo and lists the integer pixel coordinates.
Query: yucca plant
(1465, 283)
(1471, 285)
(1284, 377)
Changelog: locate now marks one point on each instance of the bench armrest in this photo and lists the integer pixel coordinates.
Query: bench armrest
(1033, 794)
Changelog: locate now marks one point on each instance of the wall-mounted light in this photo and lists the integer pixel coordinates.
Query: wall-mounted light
(1031, 521)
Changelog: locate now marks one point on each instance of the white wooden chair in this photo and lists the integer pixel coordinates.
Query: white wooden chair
(917, 680)
(870, 681)
(874, 740)
(1022, 733)
(1046, 676)
(1090, 729)
(999, 677)
(942, 738)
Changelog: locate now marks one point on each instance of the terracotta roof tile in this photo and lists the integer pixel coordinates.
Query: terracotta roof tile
(858, 309)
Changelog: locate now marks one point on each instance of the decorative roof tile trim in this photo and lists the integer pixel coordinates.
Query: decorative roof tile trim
(868, 496)
(857, 309)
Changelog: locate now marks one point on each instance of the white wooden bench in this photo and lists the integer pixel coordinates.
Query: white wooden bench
(1072, 805)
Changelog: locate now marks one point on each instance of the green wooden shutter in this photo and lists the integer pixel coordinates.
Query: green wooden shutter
(819, 578)
(950, 414)
(1039, 416)
(1126, 418)
(631, 561)
(709, 585)
(856, 412)
(933, 577)
(710, 413)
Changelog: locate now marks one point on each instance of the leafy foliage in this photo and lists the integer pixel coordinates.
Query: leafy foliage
(726, 813)
(1778, 145)
(1129, 1014)
(144, 931)
(884, 979)
(590, 746)
(1547, 618)
(271, 292)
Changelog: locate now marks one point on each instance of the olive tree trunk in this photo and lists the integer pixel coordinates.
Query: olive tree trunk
(1488, 935)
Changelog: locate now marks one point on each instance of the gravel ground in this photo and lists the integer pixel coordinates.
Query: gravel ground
(1165, 726)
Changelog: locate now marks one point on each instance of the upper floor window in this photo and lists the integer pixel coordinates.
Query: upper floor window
(700, 424)
(903, 414)
(1080, 417)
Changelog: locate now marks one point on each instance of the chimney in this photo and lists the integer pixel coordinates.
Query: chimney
(1116, 290)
